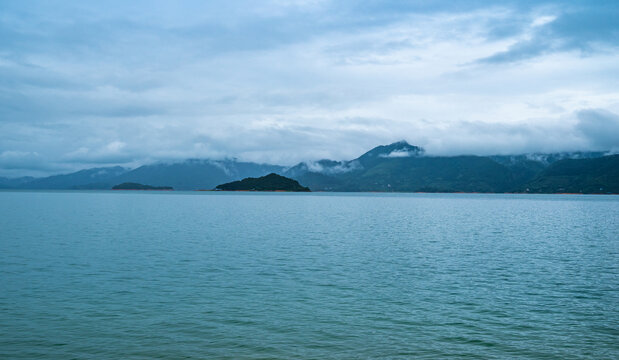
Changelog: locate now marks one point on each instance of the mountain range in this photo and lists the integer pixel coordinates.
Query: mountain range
(398, 167)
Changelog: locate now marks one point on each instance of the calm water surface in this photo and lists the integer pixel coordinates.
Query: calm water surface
(143, 275)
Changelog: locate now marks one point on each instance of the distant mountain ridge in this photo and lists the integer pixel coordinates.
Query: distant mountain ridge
(95, 178)
(404, 167)
(394, 167)
(196, 174)
(190, 174)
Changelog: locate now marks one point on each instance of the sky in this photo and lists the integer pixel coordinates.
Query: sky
(101, 83)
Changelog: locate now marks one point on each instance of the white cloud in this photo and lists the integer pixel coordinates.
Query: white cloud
(397, 154)
(290, 82)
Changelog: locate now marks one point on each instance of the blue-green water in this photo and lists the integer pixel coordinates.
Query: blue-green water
(141, 275)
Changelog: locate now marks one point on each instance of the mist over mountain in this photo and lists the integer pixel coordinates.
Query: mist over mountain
(404, 167)
(191, 174)
(95, 178)
(399, 166)
(196, 174)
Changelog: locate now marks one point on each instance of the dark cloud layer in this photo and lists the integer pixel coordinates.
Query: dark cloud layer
(587, 29)
(601, 128)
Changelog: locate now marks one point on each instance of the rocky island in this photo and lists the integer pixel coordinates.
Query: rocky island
(136, 186)
(271, 182)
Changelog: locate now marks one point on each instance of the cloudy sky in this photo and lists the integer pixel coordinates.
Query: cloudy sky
(97, 83)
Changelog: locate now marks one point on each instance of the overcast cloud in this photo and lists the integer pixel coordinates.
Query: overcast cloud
(90, 83)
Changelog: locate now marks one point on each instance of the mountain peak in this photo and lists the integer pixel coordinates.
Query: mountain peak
(397, 149)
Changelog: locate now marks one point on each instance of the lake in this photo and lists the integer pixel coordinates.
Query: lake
(170, 275)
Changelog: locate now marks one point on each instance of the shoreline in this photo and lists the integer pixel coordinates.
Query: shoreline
(305, 192)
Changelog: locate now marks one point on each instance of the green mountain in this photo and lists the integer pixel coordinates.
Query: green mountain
(434, 174)
(271, 182)
(403, 167)
(400, 167)
(397, 150)
(587, 176)
(136, 186)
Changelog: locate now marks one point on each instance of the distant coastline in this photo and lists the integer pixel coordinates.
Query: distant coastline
(397, 167)
(136, 186)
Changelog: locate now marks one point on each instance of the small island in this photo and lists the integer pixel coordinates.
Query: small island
(271, 182)
(136, 186)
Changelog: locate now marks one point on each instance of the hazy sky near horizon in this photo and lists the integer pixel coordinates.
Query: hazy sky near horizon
(91, 83)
